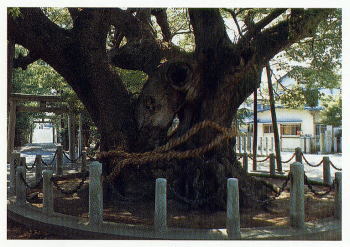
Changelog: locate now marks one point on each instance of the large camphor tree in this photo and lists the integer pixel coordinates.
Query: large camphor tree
(207, 83)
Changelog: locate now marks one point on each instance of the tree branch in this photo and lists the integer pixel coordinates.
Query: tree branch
(24, 61)
(162, 20)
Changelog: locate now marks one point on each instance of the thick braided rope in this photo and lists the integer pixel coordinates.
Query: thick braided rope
(156, 155)
(307, 162)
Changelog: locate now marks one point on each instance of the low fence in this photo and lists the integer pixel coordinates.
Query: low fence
(296, 178)
(265, 146)
(299, 156)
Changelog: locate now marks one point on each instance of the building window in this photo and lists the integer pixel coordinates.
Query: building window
(290, 129)
(268, 128)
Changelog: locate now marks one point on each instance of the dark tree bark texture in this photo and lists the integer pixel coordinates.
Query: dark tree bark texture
(207, 84)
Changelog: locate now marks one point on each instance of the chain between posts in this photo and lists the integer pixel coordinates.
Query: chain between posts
(70, 191)
(263, 160)
(35, 186)
(318, 194)
(51, 162)
(336, 168)
(287, 161)
(317, 165)
(72, 160)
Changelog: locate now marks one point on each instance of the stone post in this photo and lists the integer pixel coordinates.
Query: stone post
(71, 134)
(272, 164)
(335, 145)
(83, 161)
(47, 192)
(297, 214)
(20, 186)
(240, 144)
(244, 144)
(38, 167)
(261, 145)
(95, 194)
(245, 162)
(326, 171)
(160, 210)
(15, 160)
(232, 211)
(322, 144)
(267, 146)
(308, 145)
(298, 155)
(338, 195)
(59, 160)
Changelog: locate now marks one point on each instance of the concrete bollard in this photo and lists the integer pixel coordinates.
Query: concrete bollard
(20, 186)
(267, 146)
(47, 192)
(338, 195)
(15, 160)
(261, 145)
(83, 161)
(326, 171)
(160, 210)
(232, 212)
(297, 210)
(245, 162)
(95, 194)
(298, 155)
(59, 160)
(38, 167)
(272, 164)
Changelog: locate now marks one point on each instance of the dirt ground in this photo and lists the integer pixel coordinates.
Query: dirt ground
(142, 212)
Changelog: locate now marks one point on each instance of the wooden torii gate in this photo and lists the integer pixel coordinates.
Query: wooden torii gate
(14, 107)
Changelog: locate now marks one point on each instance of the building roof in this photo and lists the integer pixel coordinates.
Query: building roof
(278, 121)
(308, 108)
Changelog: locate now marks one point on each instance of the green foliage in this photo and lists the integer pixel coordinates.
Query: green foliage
(59, 16)
(332, 115)
(133, 80)
(14, 12)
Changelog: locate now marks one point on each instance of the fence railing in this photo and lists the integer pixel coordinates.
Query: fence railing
(265, 145)
(296, 178)
(299, 157)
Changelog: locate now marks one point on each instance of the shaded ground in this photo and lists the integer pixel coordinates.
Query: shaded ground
(141, 212)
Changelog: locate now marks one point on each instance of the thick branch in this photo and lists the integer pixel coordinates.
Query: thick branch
(299, 26)
(209, 30)
(162, 20)
(24, 61)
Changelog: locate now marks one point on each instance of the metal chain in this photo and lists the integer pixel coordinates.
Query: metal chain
(34, 186)
(30, 168)
(70, 191)
(251, 157)
(317, 165)
(336, 168)
(318, 194)
(51, 162)
(72, 160)
(287, 161)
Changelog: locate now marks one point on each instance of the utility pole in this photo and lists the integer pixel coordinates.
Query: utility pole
(274, 120)
(255, 128)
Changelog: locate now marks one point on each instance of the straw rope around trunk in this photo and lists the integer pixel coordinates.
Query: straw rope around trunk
(121, 158)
